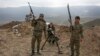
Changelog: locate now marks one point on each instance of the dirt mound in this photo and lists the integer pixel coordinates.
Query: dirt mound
(9, 25)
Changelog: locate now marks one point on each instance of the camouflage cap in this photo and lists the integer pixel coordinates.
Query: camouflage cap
(41, 15)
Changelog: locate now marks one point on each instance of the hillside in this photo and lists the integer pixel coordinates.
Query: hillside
(13, 45)
(9, 25)
(95, 22)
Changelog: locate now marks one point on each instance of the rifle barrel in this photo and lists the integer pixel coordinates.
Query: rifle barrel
(69, 14)
(31, 9)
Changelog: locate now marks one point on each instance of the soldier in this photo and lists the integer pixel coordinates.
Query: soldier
(76, 36)
(39, 27)
(52, 38)
(51, 33)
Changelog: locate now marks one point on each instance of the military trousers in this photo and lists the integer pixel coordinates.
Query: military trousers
(36, 37)
(75, 46)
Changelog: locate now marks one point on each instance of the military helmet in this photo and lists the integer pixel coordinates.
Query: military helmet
(41, 15)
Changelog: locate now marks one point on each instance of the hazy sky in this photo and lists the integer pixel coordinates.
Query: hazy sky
(48, 3)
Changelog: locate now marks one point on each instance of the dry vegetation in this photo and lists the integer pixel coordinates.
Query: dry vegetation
(12, 45)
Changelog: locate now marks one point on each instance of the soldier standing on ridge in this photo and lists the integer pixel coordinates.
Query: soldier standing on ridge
(39, 27)
(76, 37)
(51, 33)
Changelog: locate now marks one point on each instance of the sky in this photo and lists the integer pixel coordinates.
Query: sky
(48, 3)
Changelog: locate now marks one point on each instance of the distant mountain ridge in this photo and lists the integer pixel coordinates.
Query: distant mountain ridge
(58, 14)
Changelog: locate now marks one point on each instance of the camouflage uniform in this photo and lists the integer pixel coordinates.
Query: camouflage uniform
(51, 33)
(76, 34)
(39, 26)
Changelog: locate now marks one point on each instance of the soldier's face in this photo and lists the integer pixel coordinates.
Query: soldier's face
(77, 21)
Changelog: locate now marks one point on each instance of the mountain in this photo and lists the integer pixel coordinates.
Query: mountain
(95, 22)
(52, 14)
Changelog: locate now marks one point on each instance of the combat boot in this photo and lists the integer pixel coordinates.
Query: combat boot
(38, 52)
(33, 53)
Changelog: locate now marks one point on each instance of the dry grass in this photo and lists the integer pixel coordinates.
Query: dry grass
(11, 45)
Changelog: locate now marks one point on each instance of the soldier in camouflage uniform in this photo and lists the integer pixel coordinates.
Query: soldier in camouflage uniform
(51, 33)
(39, 27)
(76, 37)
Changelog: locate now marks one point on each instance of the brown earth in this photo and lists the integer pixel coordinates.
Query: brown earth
(12, 45)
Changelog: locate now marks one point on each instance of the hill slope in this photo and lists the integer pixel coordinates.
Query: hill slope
(95, 22)
(12, 45)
